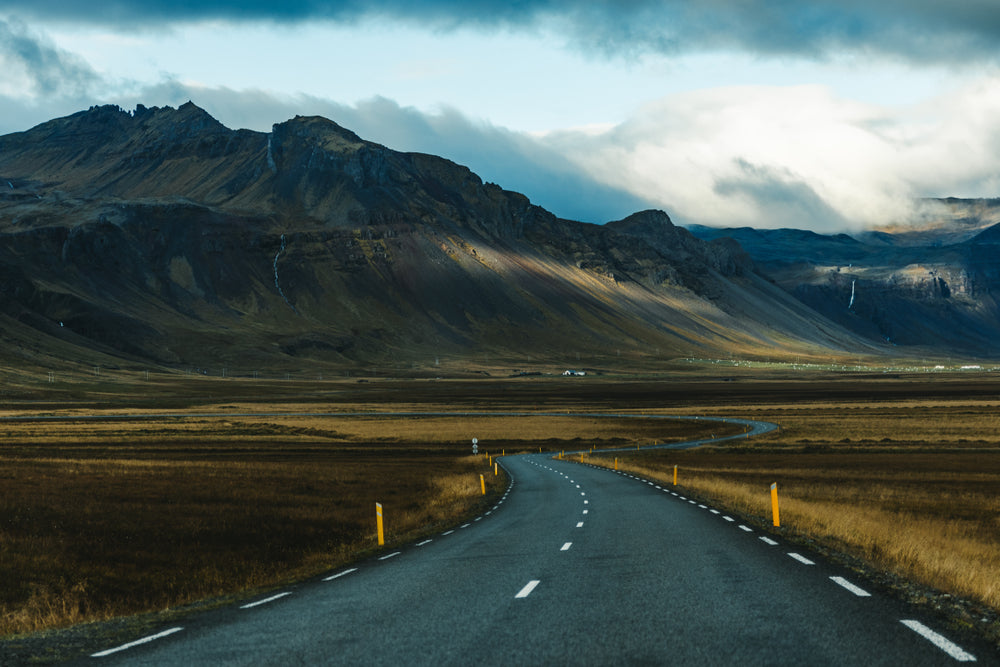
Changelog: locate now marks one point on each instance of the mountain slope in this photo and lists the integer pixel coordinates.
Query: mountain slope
(933, 285)
(160, 236)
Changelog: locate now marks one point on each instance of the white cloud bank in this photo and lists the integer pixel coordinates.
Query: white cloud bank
(796, 156)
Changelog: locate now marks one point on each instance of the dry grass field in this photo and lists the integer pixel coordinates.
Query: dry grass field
(234, 486)
(104, 517)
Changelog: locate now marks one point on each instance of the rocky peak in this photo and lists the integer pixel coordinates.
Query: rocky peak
(680, 246)
(649, 221)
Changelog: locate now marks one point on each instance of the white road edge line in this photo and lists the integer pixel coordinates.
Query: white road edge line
(801, 559)
(388, 556)
(449, 532)
(137, 642)
(526, 591)
(768, 540)
(265, 600)
(420, 544)
(857, 590)
(746, 529)
(946, 645)
(340, 574)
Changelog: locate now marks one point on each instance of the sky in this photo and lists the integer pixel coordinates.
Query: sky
(831, 115)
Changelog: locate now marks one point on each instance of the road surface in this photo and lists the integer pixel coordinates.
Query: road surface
(575, 565)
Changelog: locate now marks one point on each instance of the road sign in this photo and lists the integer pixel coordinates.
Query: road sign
(475, 445)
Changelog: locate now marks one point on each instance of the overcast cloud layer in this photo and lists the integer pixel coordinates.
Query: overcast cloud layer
(919, 30)
(764, 155)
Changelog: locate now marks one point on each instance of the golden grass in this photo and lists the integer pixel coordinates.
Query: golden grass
(89, 539)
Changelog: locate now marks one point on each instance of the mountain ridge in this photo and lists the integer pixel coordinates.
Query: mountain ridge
(159, 236)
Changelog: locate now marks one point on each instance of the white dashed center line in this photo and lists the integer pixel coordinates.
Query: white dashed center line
(526, 591)
(579, 524)
(566, 546)
(860, 592)
(137, 642)
(949, 647)
(265, 600)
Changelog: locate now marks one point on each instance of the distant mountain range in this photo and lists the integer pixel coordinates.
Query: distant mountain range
(931, 285)
(159, 237)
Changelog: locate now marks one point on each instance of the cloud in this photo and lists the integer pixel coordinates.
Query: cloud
(913, 30)
(777, 195)
(797, 156)
(31, 66)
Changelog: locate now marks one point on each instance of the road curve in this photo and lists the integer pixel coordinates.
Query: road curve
(753, 427)
(574, 565)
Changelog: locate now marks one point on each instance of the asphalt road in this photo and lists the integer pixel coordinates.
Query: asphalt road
(576, 565)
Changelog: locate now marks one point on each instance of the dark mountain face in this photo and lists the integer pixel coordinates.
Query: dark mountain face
(160, 236)
(935, 285)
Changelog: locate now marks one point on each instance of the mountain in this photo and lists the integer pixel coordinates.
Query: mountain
(932, 284)
(160, 237)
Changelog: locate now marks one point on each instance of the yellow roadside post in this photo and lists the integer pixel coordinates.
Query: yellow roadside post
(482, 483)
(616, 463)
(378, 521)
(675, 475)
(774, 503)
(495, 472)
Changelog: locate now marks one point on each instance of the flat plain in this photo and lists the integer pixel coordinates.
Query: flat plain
(164, 493)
